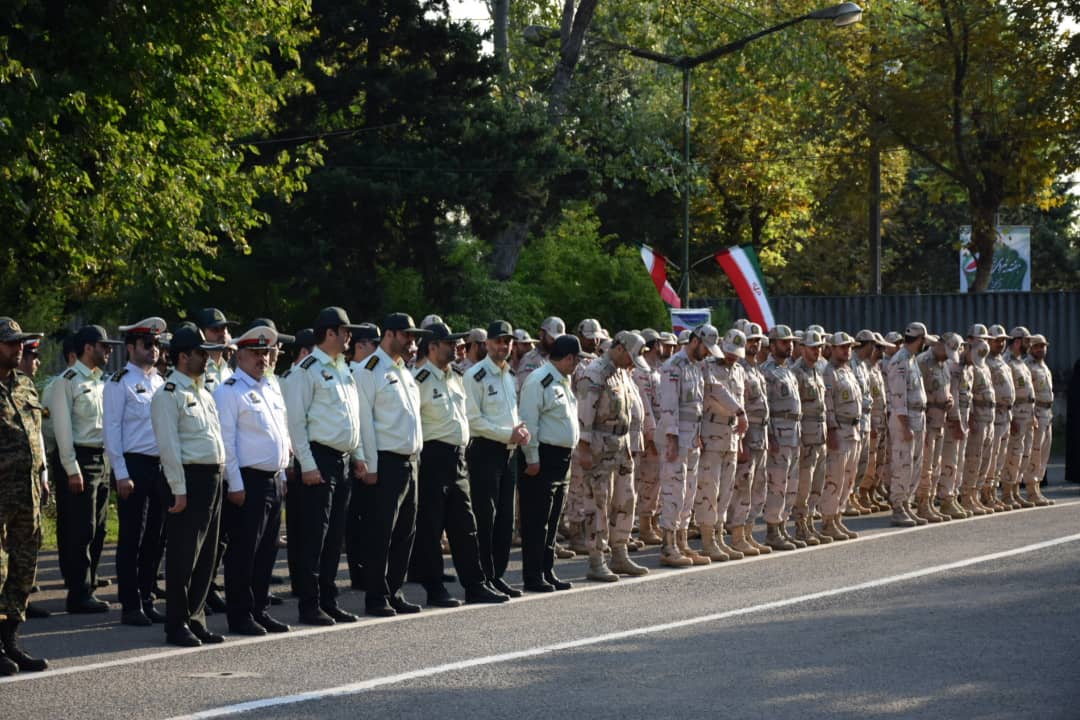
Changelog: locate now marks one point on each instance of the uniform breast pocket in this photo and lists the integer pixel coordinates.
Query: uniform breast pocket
(86, 404)
(193, 415)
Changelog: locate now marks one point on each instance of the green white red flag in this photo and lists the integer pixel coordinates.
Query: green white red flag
(657, 266)
(741, 265)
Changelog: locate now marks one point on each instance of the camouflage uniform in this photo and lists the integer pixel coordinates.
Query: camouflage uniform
(979, 452)
(749, 496)
(907, 397)
(530, 361)
(576, 494)
(604, 410)
(647, 464)
(725, 388)
(785, 412)
(22, 459)
(682, 390)
(877, 437)
(843, 404)
(957, 429)
(1043, 383)
(1018, 450)
(802, 499)
(862, 452)
(1005, 395)
(936, 381)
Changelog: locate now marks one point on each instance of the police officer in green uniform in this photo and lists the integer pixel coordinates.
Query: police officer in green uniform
(186, 425)
(22, 460)
(82, 494)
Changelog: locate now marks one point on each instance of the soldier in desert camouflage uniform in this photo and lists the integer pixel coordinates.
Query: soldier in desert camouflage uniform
(647, 462)
(1024, 425)
(907, 423)
(957, 426)
(939, 401)
(843, 410)
(750, 481)
(979, 451)
(1043, 383)
(785, 412)
(1004, 397)
(802, 500)
(869, 352)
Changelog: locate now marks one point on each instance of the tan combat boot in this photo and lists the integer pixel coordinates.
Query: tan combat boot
(598, 569)
(1035, 496)
(710, 547)
(821, 537)
(669, 552)
(924, 511)
(984, 498)
(622, 564)
(739, 542)
(970, 504)
(648, 533)
(911, 514)
(803, 534)
(799, 544)
(954, 511)
(1018, 498)
(776, 540)
(844, 528)
(682, 540)
(866, 501)
(731, 552)
(900, 517)
(748, 533)
(831, 530)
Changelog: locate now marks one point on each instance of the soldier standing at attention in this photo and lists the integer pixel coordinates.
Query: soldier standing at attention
(907, 423)
(364, 342)
(843, 409)
(134, 456)
(785, 412)
(1001, 378)
(82, 502)
(647, 462)
(550, 329)
(1042, 381)
(802, 499)
(939, 402)
(749, 496)
(23, 460)
(185, 422)
(323, 413)
(957, 424)
(867, 353)
(1025, 423)
(979, 450)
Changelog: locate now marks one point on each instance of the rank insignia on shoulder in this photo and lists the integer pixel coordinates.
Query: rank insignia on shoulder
(119, 374)
(371, 363)
(459, 371)
(480, 375)
(311, 360)
(69, 374)
(548, 379)
(230, 381)
(169, 387)
(423, 375)
(286, 374)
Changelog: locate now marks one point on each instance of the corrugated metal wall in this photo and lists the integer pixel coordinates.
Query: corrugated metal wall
(1054, 314)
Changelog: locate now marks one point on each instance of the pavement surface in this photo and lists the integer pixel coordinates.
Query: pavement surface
(975, 618)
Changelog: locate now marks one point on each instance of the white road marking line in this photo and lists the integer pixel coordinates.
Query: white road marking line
(304, 632)
(366, 685)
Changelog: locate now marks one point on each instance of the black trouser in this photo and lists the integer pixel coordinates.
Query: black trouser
(321, 511)
(444, 504)
(80, 522)
(542, 500)
(354, 532)
(138, 548)
(491, 485)
(389, 527)
(192, 538)
(292, 524)
(252, 550)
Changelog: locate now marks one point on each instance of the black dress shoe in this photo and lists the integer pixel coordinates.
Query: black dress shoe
(501, 585)
(8, 667)
(271, 625)
(87, 606)
(102, 582)
(136, 618)
(339, 615)
(247, 626)
(215, 602)
(315, 616)
(183, 637)
(550, 578)
(276, 579)
(151, 612)
(404, 607)
(383, 610)
(205, 636)
(36, 612)
(538, 586)
(439, 597)
(274, 599)
(482, 594)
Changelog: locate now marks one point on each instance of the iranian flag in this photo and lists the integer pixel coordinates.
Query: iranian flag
(657, 266)
(741, 265)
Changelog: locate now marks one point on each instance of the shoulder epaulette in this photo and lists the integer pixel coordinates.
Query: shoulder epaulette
(548, 379)
(69, 374)
(372, 362)
(231, 381)
(169, 387)
(286, 373)
(480, 374)
(459, 371)
(311, 360)
(119, 374)
(422, 375)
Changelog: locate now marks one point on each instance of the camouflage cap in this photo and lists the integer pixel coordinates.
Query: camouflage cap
(553, 326)
(684, 337)
(799, 335)
(476, 335)
(650, 335)
(893, 337)
(635, 345)
(753, 332)
(997, 332)
(430, 320)
(954, 345)
(668, 338)
(591, 328)
(11, 332)
(710, 336)
(881, 341)
(521, 335)
(1038, 340)
(812, 339)
(741, 325)
(780, 332)
(978, 330)
(1019, 332)
(734, 343)
(865, 336)
(818, 329)
(840, 338)
(918, 329)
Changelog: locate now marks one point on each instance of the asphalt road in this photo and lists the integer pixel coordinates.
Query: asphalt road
(977, 618)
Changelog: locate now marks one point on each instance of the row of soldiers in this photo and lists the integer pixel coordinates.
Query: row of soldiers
(385, 447)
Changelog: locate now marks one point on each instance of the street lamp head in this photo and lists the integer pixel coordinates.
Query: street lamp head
(842, 15)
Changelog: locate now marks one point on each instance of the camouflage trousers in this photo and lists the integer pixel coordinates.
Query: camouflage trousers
(1040, 450)
(953, 456)
(998, 451)
(930, 473)
(905, 461)
(863, 455)
(750, 488)
(20, 540)
(782, 468)
(841, 464)
(1018, 451)
(877, 448)
(978, 454)
(609, 491)
(715, 485)
(647, 482)
(576, 495)
(802, 499)
(678, 486)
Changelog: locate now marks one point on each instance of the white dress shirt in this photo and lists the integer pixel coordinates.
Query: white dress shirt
(254, 428)
(389, 402)
(127, 415)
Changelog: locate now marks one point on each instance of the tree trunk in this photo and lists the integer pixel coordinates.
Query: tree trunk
(500, 11)
(508, 245)
(983, 237)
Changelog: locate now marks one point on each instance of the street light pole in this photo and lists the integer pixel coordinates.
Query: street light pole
(684, 286)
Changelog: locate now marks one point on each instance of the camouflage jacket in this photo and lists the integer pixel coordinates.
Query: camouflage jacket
(22, 453)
